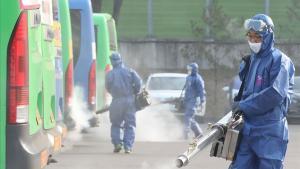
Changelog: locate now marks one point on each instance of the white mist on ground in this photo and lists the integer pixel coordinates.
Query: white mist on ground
(158, 123)
(155, 123)
(80, 114)
(104, 127)
(166, 165)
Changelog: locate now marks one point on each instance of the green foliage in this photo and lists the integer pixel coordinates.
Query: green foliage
(293, 14)
(173, 19)
(294, 10)
(221, 26)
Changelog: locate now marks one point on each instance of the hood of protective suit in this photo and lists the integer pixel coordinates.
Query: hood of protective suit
(268, 37)
(116, 60)
(194, 67)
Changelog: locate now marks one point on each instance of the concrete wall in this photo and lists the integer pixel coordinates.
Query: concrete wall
(218, 63)
(174, 55)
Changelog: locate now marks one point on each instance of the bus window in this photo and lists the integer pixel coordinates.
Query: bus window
(47, 16)
(96, 37)
(112, 35)
(76, 33)
(55, 10)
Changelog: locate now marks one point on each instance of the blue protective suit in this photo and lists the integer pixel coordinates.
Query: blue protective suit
(265, 101)
(194, 87)
(122, 83)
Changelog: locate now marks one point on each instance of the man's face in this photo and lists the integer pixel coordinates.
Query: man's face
(254, 37)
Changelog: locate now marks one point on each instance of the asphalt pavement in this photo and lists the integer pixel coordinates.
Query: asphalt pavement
(157, 147)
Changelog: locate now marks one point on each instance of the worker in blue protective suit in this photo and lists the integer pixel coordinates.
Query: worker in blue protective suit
(123, 84)
(194, 97)
(265, 99)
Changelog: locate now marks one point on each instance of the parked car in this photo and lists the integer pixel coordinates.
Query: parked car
(294, 109)
(164, 87)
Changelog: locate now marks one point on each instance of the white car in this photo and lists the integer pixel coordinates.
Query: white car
(167, 86)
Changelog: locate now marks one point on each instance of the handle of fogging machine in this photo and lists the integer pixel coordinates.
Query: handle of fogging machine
(105, 109)
(216, 132)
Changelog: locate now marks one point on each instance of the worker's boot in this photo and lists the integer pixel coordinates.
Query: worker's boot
(128, 151)
(118, 148)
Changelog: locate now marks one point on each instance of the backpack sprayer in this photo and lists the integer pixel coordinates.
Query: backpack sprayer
(142, 100)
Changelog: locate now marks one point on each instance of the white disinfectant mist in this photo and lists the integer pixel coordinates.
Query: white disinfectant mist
(165, 165)
(158, 123)
(80, 114)
(155, 123)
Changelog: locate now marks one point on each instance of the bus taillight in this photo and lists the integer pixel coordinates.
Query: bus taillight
(18, 73)
(69, 84)
(92, 85)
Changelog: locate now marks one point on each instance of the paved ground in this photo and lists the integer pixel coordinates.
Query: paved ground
(92, 153)
(152, 150)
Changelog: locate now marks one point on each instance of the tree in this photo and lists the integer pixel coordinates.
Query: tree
(117, 9)
(293, 13)
(96, 5)
(221, 26)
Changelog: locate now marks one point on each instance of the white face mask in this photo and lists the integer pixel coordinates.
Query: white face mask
(255, 47)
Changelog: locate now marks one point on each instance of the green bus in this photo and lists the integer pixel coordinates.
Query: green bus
(67, 57)
(48, 74)
(106, 43)
(59, 87)
(23, 143)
